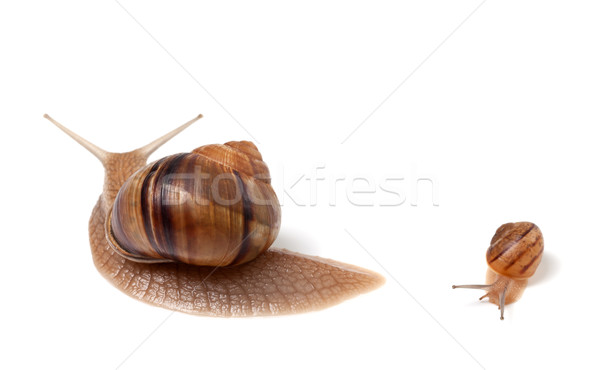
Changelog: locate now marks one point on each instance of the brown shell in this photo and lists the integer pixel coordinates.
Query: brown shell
(516, 250)
(212, 207)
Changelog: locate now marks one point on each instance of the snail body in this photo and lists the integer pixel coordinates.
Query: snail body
(513, 257)
(164, 237)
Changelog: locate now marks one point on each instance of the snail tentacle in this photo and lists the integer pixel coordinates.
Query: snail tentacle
(502, 298)
(472, 286)
(101, 154)
(150, 148)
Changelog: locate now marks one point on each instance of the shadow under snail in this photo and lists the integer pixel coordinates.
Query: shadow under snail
(190, 233)
(513, 256)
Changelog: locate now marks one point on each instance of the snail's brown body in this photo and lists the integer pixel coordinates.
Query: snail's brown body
(513, 256)
(274, 282)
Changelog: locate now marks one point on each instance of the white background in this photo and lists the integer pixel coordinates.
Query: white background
(501, 113)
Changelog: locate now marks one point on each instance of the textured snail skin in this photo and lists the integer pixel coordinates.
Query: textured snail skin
(513, 256)
(276, 282)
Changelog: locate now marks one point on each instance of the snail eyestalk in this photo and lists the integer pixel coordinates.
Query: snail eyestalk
(472, 286)
(502, 298)
(101, 154)
(146, 150)
(484, 287)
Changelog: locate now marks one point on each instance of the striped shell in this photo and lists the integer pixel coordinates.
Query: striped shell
(211, 207)
(516, 250)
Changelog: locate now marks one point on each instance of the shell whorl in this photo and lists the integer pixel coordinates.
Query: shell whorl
(516, 250)
(211, 207)
(243, 156)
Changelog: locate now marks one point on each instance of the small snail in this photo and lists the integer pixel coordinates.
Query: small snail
(190, 233)
(513, 256)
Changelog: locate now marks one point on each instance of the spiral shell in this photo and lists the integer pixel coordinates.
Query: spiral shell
(516, 250)
(211, 207)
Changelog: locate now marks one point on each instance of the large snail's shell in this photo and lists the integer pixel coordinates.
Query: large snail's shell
(516, 250)
(212, 207)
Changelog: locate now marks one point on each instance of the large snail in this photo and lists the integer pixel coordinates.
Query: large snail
(208, 217)
(513, 256)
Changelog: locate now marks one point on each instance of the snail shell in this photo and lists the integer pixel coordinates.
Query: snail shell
(516, 250)
(211, 207)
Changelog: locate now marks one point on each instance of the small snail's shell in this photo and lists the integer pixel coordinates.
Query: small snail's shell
(516, 250)
(211, 207)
